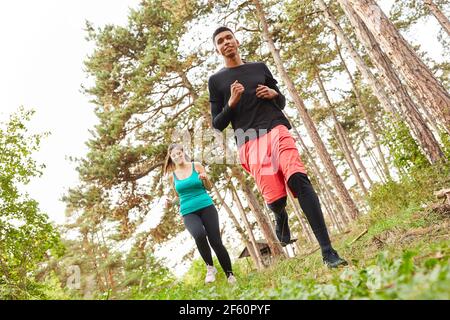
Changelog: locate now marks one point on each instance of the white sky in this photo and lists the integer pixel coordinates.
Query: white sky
(41, 67)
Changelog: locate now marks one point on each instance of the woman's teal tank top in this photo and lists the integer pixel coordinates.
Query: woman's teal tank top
(192, 193)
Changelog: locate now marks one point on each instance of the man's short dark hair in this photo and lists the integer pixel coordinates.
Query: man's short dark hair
(219, 30)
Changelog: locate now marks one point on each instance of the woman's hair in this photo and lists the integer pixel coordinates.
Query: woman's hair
(169, 166)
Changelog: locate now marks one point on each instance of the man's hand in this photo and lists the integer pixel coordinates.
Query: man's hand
(202, 176)
(237, 90)
(264, 92)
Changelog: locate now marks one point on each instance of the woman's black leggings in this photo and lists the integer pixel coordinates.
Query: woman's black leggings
(203, 225)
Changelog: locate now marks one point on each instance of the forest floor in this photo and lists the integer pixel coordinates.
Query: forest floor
(405, 254)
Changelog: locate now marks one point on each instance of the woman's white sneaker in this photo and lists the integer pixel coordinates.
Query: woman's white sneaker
(210, 274)
(232, 280)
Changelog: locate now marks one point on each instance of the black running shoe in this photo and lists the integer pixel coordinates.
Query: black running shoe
(332, 259)
(285, 243)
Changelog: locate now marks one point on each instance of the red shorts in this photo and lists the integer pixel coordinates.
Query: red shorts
(271, 160)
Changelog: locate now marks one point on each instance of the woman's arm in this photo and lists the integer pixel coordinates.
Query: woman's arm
(203, 175)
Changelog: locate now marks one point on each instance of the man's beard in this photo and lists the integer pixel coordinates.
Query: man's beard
(231, 55)
(231, 52)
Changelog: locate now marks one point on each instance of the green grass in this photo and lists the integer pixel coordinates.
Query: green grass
(404, 255)
(418, 269)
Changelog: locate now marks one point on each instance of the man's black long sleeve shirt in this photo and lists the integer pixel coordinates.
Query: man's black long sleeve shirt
(254, 116)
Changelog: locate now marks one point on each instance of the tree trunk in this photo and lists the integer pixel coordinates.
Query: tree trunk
(417, 125)
(91, 245)
(340, 134)
(247, 224)
(365, 111)
(349, 205)
(429, 120)
(439, 15)
(250, 247)
(261, 218)
(330, 199)
(376, 86)
(357, 157)
(106, 257)
(374, 161)
(329, 210)
(348, 156)
(426, 88)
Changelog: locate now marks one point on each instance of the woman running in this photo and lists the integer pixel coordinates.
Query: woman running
(200, 216)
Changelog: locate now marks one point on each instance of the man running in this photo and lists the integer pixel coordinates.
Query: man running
(246, 95)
